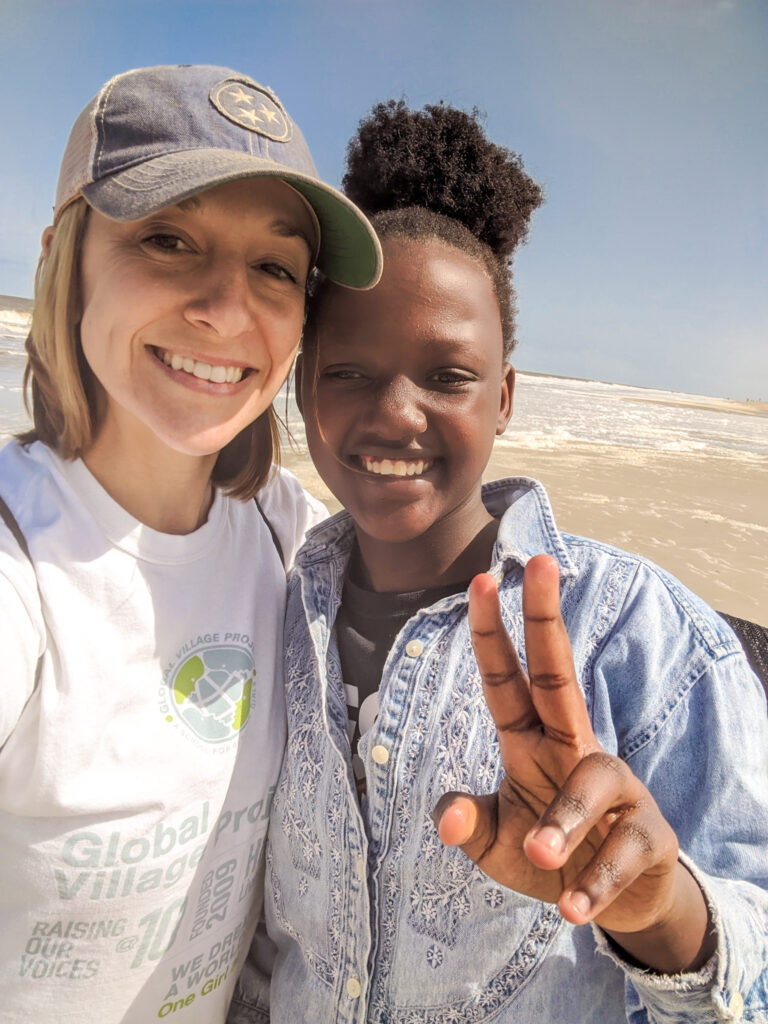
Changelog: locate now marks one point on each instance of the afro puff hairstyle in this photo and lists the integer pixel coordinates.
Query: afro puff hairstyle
(438, 158)
(433, 174)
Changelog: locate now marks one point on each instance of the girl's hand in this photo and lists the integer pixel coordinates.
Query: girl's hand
(570, 824)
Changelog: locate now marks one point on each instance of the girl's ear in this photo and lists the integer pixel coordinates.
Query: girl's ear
(298, 373)
(46, 241)
(507, 393)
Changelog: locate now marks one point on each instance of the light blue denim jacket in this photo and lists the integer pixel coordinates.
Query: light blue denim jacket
(375, 920)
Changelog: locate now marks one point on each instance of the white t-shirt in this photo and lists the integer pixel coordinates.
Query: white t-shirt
(136, 775)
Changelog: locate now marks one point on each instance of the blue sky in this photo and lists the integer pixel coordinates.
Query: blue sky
(646, 121)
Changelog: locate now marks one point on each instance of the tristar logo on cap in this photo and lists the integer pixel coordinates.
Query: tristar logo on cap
(252, 108)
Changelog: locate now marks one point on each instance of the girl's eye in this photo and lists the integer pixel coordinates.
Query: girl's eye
(451, 378)
(342, 374)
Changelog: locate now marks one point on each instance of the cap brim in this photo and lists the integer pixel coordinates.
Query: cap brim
(350, 252)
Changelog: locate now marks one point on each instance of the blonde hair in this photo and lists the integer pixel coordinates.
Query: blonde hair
(63, 396)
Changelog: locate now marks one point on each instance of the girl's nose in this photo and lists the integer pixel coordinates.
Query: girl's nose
(397, 410)
(223, 301)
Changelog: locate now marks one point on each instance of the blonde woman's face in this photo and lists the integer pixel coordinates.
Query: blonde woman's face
(192, 316)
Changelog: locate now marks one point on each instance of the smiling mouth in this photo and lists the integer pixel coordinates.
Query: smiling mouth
(203, 371)
(395, 467)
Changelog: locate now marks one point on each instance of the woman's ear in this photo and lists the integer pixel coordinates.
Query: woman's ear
(46, 241)
(507, 394)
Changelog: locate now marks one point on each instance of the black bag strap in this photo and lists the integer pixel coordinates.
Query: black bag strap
(10, 521)
(270, 527)
(754, 639)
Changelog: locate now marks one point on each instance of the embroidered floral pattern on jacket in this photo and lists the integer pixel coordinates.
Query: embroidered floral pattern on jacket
(376, 921)
(295, 803)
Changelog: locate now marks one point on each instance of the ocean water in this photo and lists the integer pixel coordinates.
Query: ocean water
(13, 331)
(551, 413)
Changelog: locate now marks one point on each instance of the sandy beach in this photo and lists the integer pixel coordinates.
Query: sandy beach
(704, 517)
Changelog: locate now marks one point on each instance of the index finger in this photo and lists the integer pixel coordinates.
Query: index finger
(554, 688)
(505, 684)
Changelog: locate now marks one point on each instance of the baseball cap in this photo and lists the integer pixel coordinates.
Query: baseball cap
(154, 136)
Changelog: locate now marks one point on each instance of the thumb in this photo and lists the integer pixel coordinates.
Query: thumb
(467, 821)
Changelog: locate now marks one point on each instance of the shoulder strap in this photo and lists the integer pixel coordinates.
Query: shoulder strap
(270, 527)
(754, 640)
(10, 521)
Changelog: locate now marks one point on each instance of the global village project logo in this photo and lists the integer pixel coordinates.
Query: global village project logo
(208, 688)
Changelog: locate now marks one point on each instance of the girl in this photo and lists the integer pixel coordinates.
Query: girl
(142, 596)
(644, 735)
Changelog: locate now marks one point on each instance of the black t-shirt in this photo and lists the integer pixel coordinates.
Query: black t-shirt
(366, 626)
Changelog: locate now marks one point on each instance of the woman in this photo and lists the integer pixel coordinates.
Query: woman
(141, 592)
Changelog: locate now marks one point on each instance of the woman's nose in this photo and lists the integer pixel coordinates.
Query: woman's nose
(223, 301)
(397, 409)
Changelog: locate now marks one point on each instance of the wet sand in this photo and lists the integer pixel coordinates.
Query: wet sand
(703, 518)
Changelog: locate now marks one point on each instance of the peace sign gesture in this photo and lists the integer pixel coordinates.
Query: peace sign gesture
(570, 823)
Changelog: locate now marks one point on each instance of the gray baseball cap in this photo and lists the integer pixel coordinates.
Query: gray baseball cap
(155, 136)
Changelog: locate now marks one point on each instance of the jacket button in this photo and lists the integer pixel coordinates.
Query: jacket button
(354, 988)
(414, 648)
(736, 1005)
(380, 754)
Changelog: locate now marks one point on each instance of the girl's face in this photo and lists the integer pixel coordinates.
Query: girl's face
(191, 317)
(409, 391)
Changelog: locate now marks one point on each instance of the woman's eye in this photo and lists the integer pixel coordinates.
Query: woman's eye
(167, 242)
(279, 271)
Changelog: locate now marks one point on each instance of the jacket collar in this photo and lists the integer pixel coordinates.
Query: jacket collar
(527, 525)
(527, 529)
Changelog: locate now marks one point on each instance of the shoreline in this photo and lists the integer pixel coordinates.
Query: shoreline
(712, 403)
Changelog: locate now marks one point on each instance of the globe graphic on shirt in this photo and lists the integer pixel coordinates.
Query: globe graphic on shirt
(212, 691)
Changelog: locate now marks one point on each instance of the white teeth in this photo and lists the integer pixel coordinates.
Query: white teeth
(204, 371)
(399, 467)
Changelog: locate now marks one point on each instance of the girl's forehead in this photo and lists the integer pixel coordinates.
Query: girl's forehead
(437, 305)
(407, 251)
(425, 274)
(421, 276)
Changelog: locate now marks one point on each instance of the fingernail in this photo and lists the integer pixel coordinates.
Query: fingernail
(551, 837)
(581, 902)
